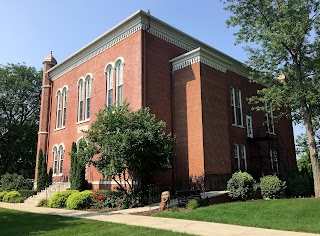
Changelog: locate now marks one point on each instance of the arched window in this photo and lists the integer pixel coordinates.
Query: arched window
(61, 154)
(64, 106)
(80, 100)
(119, 82)
(243, 158)
(88, 95)
(236, 157)
(55, 160)
(58, 119)
(233, 106)
(109, 74)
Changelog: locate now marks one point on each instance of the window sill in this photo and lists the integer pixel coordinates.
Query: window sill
(57, 129)
(238, 126)
(55, 175)
(83, 121)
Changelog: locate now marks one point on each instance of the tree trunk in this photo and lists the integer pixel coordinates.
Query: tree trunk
(313, 152)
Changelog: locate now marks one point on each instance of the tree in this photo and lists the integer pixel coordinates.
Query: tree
(42, 178)
(78, 169)
(20, 88)
(128, 145)
(284, 54)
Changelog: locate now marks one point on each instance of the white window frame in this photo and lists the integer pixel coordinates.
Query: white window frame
(249, 126)
(55, 160)
(88, 83)
(64, 107)
(244, 157)
(58, 113)
(61, 157)
(109, 74)
(233, 106)
(236, 156)
(80, 99)
(119, 81)
(269, 118)
(239, 108)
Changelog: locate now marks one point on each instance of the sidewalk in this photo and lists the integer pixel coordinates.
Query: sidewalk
(185, 226)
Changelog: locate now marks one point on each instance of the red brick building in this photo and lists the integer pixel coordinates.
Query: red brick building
(198, 91)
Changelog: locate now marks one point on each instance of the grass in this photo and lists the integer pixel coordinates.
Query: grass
(22, 223)
(286, 214)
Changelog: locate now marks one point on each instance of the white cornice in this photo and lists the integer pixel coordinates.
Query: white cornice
(138, 21)
(199, 55)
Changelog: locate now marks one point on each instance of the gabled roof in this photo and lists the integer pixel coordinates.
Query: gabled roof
(141, 21)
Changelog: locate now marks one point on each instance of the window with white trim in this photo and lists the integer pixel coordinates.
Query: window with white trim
(80, 99)
(88, 96)
(243, 158)
(64, 106)
(269, 117)
(58, 116)
(119, 82)
(55, 161)
(236, 157)
(239, 108)
(61, 155)
(233, 106)
(109, 74)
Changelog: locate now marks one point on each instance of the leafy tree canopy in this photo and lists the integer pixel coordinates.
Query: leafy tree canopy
(130, 145)
(20, 88)
(283, 38)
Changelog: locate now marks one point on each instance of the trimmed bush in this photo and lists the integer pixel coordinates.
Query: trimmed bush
(271, 186)
(27, 193)
(43, 203)
(58, 200)
(192, 204)
(79, 201)
(10, 182)
(240, 186)
(2, 195)
(299, 185)
(13, 197)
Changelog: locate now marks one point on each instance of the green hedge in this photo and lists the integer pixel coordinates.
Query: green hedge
(240, 186)
(58, 200)
(80, 200)
(13, 197)
(2, 195)
(271, 186)
(27, 193)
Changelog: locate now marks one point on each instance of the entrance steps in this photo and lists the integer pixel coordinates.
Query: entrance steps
(47, 192)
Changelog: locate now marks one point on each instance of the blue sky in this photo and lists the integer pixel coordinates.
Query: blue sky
(31, 29)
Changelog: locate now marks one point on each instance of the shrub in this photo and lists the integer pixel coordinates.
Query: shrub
(43, 203)
(13, 197)
(192, 204)
(58, 200)
(2, 195)
(240, 186)
(299, 185)
(10, 182)
(121, 200)
(271, 186)
(81, 200)
(27, 193)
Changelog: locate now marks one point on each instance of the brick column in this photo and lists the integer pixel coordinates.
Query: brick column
(45, 107)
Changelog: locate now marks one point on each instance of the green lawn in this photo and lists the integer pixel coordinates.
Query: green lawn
(23, 223)
(285, 214)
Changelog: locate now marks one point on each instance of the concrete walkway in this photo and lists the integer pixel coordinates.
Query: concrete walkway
(185, 226)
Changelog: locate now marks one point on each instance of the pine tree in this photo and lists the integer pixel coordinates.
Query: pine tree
(42, 172)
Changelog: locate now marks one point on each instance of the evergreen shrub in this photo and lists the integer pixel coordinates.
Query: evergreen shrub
(240, 186)
(13, 197)
(271, 187)
(10, 182)
(80, 200)
(2, 195)
(59, 199)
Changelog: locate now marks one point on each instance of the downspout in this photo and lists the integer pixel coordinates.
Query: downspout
(172, 117)
(144, 62)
